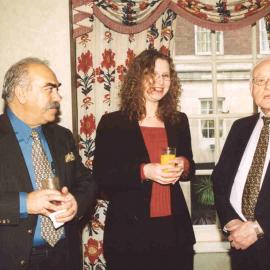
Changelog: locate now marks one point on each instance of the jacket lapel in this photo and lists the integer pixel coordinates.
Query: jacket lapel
(141, 147)
(14, 161)
(171, 135)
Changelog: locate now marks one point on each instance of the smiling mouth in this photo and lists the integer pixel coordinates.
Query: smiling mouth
(158, 89)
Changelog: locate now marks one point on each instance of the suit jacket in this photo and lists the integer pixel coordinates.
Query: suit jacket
(16, 234)
(119, 153)
(226, 169)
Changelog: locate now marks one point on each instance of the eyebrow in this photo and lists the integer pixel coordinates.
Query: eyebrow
(54, 85)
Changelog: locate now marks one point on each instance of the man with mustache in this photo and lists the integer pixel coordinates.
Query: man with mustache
(34, 149)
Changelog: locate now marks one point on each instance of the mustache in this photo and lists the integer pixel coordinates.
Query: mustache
(53, 105)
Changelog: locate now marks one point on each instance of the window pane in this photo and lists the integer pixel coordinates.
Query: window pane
(233, 87)
(227, 124)
(196, 80)
(203, 140)
(203, 208)
(264, 43)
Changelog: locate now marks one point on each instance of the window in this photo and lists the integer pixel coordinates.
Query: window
(208, 126)
(214, 69)
(264, 44)
(203, 41)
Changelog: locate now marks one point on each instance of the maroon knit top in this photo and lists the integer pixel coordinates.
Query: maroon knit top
(155, 139)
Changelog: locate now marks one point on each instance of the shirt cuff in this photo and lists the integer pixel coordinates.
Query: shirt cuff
(23, 207)
(141, 172)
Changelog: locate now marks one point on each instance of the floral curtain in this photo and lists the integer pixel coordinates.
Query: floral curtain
(109, 34)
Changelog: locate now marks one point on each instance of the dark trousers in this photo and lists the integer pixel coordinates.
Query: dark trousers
(256, 257)
(49, 258)
(158, 249)
(167, 260)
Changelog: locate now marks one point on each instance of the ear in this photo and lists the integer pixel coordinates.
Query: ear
(20, 94)
(251, 86)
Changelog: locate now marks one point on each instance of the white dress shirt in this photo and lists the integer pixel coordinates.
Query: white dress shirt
(242, 172)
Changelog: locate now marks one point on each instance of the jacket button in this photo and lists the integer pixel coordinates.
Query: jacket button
(23, 262)
(29, 231)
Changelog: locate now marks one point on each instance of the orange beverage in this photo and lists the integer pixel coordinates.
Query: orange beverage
(167, 155)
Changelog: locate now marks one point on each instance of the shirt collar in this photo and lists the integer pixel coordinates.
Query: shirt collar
(22, 131)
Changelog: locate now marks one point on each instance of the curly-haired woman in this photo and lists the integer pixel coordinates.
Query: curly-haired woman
(148, 224)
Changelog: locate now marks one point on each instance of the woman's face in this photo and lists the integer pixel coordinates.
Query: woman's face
(155, 90)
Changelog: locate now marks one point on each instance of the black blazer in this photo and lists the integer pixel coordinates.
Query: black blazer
(16, 234)
(120, 150)
(226, 169)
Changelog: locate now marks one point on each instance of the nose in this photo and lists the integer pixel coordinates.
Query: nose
(267, 85)
(56, 96)
(158, 78)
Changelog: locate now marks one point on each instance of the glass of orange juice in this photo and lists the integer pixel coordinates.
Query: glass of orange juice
(168, 154)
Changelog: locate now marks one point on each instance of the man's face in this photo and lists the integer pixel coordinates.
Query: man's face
(41, 98)
(261, 86)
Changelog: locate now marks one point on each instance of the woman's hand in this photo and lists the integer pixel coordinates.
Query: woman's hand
(164, 174)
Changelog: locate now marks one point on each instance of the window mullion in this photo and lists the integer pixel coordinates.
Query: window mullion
(214, 91)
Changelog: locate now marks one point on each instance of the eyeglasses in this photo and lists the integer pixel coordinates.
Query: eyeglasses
(165, 77)
(260, 81)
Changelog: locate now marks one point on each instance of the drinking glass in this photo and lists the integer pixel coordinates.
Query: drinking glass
(53, 183)
(167, 154)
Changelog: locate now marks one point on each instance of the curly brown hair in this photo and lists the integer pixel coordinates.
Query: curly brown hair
(132, 100)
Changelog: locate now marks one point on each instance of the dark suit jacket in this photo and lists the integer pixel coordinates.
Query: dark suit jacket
(120, 150)
(226, 169)
(16, 234)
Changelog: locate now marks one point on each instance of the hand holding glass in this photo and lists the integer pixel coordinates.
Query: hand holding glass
(53, 183)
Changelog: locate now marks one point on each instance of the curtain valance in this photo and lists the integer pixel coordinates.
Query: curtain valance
(129, 17)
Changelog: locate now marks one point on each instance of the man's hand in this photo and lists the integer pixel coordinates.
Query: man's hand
(40, 201)
(69, 205)
(242, 234)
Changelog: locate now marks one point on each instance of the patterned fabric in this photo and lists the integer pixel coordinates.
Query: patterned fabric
(128, 12)
(252, 186)
(93, 238)
(136, 16)
(223, 11)
(43, 171)
(103, 57)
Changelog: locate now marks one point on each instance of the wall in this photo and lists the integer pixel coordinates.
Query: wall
(38, 28)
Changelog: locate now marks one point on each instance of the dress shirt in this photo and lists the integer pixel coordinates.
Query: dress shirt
(23, 135)
(242, 172)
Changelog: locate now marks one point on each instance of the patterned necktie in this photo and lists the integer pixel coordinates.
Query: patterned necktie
(43, 171)
(252, 186)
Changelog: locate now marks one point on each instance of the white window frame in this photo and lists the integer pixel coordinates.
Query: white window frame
(264, 43)
(210, 110)
(200, 30)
